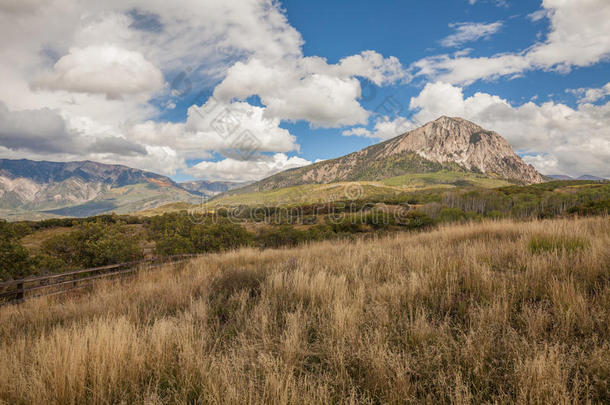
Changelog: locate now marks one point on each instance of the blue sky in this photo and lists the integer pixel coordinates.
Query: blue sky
(148, 85)
(412, 30)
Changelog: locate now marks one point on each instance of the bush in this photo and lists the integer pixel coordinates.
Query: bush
(346, 223)
(379, 219)
(592, 208)
(283, 235)
(15, 261)
(171, 245)
(216, 237)
(94, 244)
(417, 220)
(451, 215)
(177, 233)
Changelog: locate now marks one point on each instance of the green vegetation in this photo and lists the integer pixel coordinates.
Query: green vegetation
(91, 245)
(449, 178)
(15, 260)
(314, 193)
(180, 234)
(557, 243)
(64, 243)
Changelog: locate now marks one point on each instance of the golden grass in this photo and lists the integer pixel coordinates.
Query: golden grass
(463, 314)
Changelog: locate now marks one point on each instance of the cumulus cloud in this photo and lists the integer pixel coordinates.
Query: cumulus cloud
(385, 128)
(552, 136)
(107, 69)
(579, 36)
(82, 88)
(95, 74)
(591, 95)
(42, 130)
(104, 68)
(470, 31)
(309, 88)
(22, 6)
(45, 131)
(358, 131)
(255, 168)
(217, 126)
(292, 93)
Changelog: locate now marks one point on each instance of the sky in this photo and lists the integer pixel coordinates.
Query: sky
(237, 90)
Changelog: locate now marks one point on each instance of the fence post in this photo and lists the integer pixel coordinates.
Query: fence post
(20, 292)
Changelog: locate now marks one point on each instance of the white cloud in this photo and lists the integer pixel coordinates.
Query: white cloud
(385, 128)
(309, 88)
(498, 3)
(466, 70)
(469, 31)
(237, 128)
(46, 131)
(293, 92)
(579, 36)
(590, 95)
(358, 131)
(21, 6)
(554, 137)
(371, 65)
(80, 89)
(257, 167)
(108, 70)
(538, 15)
(100, 66)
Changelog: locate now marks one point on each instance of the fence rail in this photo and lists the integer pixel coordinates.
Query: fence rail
(15, 291)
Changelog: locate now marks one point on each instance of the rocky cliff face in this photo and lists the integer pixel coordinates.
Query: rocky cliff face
(443, 144)
(459, 141)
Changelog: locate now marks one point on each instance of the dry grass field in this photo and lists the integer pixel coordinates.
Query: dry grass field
(502, 312)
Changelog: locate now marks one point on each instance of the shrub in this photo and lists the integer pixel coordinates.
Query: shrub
(170, 245)
(379, 219)
(177, 233)
(15, 261)
(346, 223)
(592, 208)
(417, 220)
(283, 235)
(94, 244)
(451, 215)
(216, 237)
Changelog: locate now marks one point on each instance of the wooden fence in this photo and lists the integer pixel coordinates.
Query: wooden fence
(15, 291)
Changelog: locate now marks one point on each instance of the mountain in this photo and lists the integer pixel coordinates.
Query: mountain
(559, 177)
(590, 177)
(211, 188)
(452, 144)
(583, 177)
(39, 189)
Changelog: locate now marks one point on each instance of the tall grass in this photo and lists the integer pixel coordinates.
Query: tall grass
(463, 314)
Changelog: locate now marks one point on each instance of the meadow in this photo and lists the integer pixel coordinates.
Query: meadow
(495, 311)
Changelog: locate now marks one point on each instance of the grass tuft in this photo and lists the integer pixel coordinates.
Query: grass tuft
(541, 243)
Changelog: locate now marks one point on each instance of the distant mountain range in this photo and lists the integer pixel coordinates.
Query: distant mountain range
(38, 189)
(583, 177)
(210, 188)
(34, 190)
(453, 144)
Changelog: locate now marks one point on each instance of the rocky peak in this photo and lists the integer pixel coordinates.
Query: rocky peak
(456, 140)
